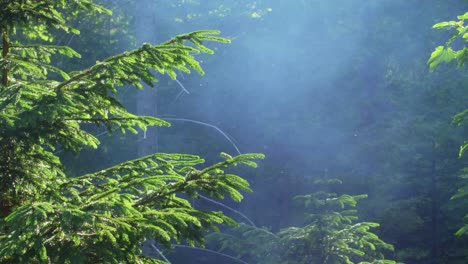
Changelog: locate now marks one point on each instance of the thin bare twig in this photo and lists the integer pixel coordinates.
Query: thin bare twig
(213, 252)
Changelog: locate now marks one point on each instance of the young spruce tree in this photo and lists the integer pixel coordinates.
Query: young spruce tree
(101, 217)
(329, 234)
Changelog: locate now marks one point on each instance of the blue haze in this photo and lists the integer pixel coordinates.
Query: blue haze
(309, 84)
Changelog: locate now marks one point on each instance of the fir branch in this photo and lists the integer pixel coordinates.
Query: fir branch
(199, 178)
(147, 51)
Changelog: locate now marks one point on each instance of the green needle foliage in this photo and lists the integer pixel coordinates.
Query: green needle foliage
(331, 234)
(447, 54)
(462, 193)
(101, 217)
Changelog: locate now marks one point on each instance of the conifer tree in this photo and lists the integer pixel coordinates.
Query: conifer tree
(330, 234)
(48, 216)
(453, 51)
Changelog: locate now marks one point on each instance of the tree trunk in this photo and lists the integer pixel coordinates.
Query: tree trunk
(5, 50)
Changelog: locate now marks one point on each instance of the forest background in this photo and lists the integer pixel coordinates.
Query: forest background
(326, 89)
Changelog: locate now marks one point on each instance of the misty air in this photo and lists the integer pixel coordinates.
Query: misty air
(234, 132)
